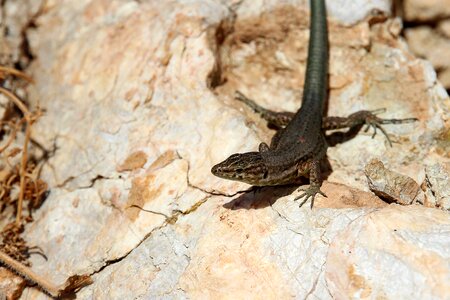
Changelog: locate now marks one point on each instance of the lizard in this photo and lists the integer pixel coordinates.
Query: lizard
(299, 145)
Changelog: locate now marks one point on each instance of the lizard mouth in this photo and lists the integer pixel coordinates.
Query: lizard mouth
(246, 167)
(217, 170)
(220, 170)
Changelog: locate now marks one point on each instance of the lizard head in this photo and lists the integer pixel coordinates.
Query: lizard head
(247, 167)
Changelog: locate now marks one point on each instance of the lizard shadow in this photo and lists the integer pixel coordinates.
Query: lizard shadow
(260, 197)
(340, 137)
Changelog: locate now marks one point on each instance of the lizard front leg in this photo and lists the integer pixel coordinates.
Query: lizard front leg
(315, 183)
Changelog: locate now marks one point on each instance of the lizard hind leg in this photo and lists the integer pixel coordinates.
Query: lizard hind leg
(276, 119)
(364, 117)
(373, 121)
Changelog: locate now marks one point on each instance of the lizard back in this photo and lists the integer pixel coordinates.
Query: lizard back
(303, 136)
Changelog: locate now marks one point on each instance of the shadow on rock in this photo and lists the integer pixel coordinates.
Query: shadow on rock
(260, 197)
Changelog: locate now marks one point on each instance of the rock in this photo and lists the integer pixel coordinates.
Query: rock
(392, 186)
(242, 249)
(391, 253)
(426, 10)
(16, 17)
(138, 107)
(431, 44)
(135, 161)
(11, 285)
(444, 28)
(436, 186)
(430, 41)
(342, 196)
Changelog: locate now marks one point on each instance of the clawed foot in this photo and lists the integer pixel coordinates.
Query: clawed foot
(371, 120)
(310, 192)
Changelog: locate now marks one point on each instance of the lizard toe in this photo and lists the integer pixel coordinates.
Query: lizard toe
(309, 192)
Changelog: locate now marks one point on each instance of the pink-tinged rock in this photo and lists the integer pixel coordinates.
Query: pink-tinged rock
(395, 253)
(138, 107)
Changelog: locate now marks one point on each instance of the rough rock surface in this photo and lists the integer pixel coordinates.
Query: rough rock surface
(434, 45)
(428, 33)
(138, 99)
(392, 186)
(436, 187)
(411, 248)
(425, 10)
(11, 285)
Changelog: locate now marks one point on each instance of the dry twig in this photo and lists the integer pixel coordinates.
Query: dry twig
(71, 285)
(29, 120)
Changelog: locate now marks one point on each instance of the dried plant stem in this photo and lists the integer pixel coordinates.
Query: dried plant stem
(23, 166)
(72, 284)
(11, 137)
(29, 275)
(17, 73)
(17, 102)
(27, 116)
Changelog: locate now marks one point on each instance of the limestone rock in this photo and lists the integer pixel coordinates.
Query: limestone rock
(138, 99)
(392, 186)
(434, 45)
(409, 255)
(436, 186)
(15, 18)
(430, 41)
(425, 10)
(11, 285)
(249, 248)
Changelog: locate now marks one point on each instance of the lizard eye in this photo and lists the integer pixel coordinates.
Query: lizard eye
(239, 170)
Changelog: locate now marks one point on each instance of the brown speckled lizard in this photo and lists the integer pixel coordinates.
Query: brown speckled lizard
(299, 145)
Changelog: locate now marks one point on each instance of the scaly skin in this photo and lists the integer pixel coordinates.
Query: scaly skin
(298, 147)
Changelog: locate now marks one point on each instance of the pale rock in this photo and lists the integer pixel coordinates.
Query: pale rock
(15, 18)
(426, 10)
(429, 43)
(347, 12)
(399, 252)
(392, 186)
(11, 285)
(444, 28)
(436, 186)
(444, 77)
(246, 248)
(138, 99)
